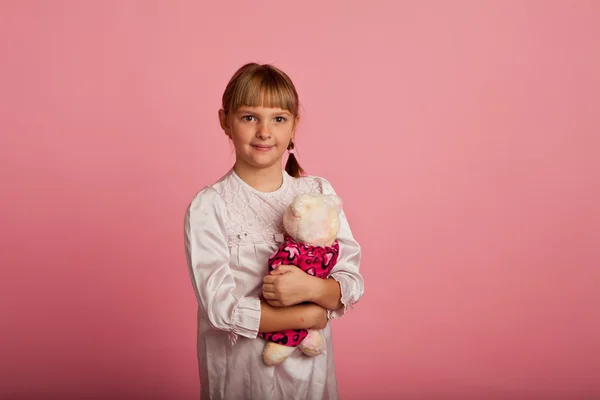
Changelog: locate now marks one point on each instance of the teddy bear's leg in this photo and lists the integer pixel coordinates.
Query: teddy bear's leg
(275, 353)
(313, 344)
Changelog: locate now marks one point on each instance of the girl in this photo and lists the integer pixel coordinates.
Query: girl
(231, 229)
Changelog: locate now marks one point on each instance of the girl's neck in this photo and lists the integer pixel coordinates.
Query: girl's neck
(262, 179)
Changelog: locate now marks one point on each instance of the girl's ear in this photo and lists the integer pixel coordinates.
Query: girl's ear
(296, 122)
(224, 122)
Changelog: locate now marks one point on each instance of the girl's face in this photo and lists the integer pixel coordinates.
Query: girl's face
(260, 135)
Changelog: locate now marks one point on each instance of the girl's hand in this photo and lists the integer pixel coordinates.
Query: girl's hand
(288, 285)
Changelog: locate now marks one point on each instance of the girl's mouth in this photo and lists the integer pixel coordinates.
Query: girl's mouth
(262, 148)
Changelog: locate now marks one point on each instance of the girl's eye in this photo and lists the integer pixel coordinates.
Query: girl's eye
(280, 119)
(247, 118)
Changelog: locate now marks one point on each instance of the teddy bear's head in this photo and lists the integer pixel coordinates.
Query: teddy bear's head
(313, 219)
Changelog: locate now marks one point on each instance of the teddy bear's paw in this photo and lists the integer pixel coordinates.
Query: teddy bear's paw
(314, 344)
(275, 354)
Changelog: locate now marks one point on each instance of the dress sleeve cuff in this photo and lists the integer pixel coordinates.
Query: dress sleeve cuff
(346, 297)
(246, 317)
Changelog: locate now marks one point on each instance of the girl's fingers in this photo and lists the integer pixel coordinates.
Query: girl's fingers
(267, 287)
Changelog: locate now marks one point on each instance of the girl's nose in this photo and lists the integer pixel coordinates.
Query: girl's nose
(263, 131)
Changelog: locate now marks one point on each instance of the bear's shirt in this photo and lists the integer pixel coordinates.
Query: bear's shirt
(314, 260)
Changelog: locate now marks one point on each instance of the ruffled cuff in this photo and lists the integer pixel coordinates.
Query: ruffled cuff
(348, 297)
(246, 317)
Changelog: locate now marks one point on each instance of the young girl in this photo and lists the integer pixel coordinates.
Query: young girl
(231, 229)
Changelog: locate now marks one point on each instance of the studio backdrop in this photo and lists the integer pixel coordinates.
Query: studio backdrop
(463, 137)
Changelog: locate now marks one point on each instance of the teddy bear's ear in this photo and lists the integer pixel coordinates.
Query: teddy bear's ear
(337, 202)
(300, 205)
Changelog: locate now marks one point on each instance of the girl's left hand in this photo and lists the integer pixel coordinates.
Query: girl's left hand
(288, 285)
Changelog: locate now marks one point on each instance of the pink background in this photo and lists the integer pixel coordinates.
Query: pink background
(462, 135)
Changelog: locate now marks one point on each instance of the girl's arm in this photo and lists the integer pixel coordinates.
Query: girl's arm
(345, 285)
(287, 285)
(301, 316)
(207, 255)
(327, 293)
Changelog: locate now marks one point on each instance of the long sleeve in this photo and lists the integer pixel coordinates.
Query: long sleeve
(346, 271)
(207, 256)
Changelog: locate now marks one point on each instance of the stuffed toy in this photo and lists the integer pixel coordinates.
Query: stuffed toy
(311, 224)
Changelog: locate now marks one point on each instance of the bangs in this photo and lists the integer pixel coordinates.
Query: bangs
(264, 89)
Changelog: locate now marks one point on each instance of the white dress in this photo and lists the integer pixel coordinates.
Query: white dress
(230, 231)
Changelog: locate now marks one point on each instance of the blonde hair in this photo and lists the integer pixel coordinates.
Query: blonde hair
(256, 85)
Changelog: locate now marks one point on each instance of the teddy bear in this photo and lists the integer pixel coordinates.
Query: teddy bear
(311, 224)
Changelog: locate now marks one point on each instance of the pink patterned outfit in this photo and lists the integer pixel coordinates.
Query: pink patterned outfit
(314, 260)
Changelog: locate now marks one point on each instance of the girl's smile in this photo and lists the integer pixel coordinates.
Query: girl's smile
(262, 147)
